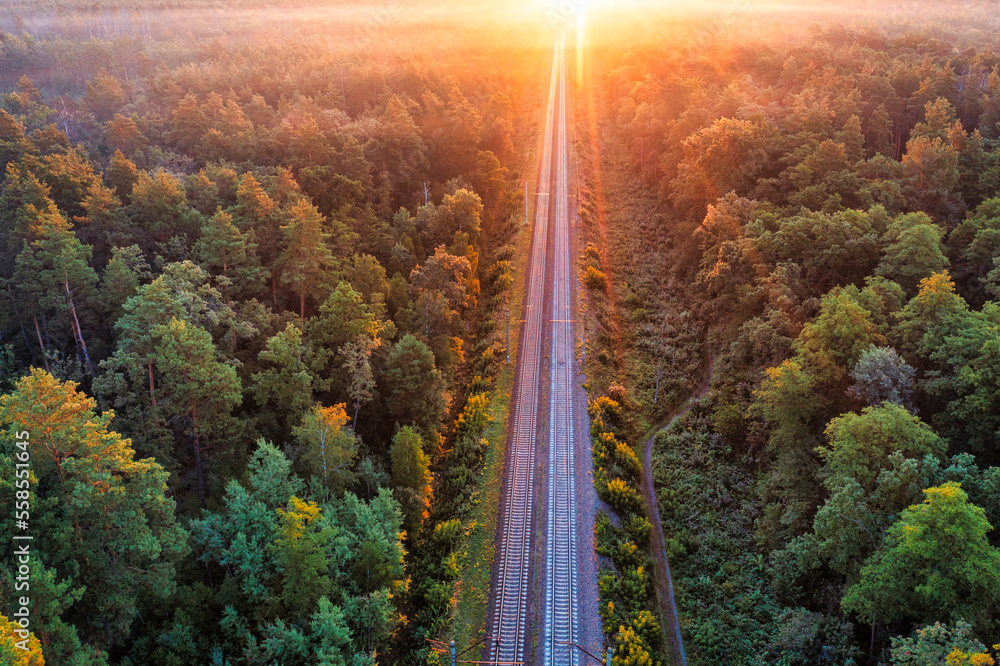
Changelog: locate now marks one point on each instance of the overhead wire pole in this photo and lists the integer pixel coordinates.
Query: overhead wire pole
(607, 652)
(476, 644)
(441, 648)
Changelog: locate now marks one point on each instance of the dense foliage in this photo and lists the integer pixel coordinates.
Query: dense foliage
(249, 284)
(825, 207)
(626, 589)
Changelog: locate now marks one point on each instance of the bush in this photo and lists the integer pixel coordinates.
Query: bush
(505, 253)
(626, 591)
(446, 535)
(474, 417)
(622, 497)
(639, 530)
(592, 255)
(618, 393)
(595, 279)
(708, 506)
(606, 410)
(480, 384)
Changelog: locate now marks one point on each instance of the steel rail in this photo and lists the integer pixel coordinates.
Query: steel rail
(515, 528)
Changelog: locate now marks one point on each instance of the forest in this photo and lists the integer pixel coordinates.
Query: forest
(253, 275)
(804, 210)
(256, 271)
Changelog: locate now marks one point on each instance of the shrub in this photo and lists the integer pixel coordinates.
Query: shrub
(626, 459)
(604, 445)
(474, 417)
(639, 530)
(592, 255)
(502, 276)
(480, 384)
(618, 393)
(446, 535)
(607, 410)
(595, 279)
(505, 253)
(625, 591)
(622, 497)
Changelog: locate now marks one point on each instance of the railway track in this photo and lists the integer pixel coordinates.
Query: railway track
(559, 628)
(548, 312)
(515, 530)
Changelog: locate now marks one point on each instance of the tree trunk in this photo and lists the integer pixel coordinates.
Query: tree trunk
(326, 473)
(41, 344)
(302, 306)
(274, 292)
(357, 406)
(78, 330)
(45, 328)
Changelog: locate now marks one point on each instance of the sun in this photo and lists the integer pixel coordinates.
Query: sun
(564, 14)
(567, 14)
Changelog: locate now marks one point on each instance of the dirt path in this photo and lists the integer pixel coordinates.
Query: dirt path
(664, 583)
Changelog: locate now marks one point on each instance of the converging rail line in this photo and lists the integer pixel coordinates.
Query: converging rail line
(515, 527)
(550, 283)
(559, 629)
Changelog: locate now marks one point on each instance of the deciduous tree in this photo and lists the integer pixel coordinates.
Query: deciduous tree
(357, 362)
(936, 643)
(937, 565)
(882, 376)
(914, 251)
(328, 447)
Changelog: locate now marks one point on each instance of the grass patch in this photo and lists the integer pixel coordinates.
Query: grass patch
(473, 587)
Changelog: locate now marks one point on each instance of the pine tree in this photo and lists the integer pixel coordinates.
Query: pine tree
(299, 552)
(196, 384)
(413, 387)
(222, 247)
(55, 270)
(306, 259)
(107, 527)
(122, 277)
(122, 175)
(159, 205)
(290, 375)
(24, 199)
(16, 650)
